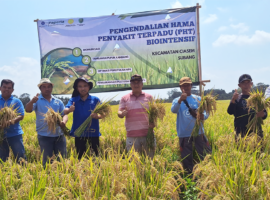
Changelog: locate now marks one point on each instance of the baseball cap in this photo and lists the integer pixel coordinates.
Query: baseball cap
(185, 80)
(244, 77)
(44, 81)
(136, 77)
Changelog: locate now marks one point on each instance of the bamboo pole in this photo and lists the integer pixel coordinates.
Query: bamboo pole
(199, 47)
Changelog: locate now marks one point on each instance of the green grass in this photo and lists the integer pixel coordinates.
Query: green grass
(233, 171)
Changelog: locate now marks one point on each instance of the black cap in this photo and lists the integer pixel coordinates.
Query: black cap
(244, 77)
(76, 92)
(136, 77)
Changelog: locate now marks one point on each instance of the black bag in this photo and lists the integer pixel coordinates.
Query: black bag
(193, 112)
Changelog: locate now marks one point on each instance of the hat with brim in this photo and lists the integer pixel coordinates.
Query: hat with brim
(76, 92)
(244, 77)
(44, 81)
(136, 77)
(185, 80)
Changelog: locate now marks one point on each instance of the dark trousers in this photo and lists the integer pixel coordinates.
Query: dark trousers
(16, 144)
(52, 145)
(243, 131)
(186, 148)
(80, 144)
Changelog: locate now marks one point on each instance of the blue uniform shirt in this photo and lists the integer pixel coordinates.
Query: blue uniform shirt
(83, 110)
(15, 129)
(41, 108)
(185, 122)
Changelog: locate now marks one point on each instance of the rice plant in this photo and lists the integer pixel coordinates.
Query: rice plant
(256, 103)
(208, 105)
(7, 117)
(53, 120)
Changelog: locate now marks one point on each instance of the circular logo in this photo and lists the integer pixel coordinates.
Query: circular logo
(42, 23)
(81, 20)
(76, 52)
(86, 60)
(70, 21)
(91, 71)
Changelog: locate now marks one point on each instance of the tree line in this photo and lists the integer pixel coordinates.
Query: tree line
(174, 93)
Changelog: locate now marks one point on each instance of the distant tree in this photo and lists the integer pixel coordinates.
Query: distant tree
(115, 102)
(25, 98)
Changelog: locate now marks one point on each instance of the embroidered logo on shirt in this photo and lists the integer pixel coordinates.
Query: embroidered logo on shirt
(56, 102)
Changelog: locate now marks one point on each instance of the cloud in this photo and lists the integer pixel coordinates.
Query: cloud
(222, 28)
(258, 37)
(222, 9)
(241, 27)
(211, 18)
(176, 4)
(25, 72)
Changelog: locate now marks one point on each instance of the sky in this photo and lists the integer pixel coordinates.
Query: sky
(235, 37)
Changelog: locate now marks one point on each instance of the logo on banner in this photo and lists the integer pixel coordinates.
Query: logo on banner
(81, 20)
(42, 23)
(70, 21)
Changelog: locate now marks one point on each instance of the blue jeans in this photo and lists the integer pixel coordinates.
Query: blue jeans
(52, 145)
(16, 144)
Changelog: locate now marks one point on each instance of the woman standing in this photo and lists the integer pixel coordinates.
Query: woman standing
(82, 104)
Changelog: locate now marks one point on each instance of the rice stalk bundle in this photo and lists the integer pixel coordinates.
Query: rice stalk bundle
(7, 114)
(208, 104)
(156, 110)
(256, 103)
(104, 109)
(53, 120)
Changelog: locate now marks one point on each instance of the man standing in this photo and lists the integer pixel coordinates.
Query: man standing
(49, 142)
(186, 107)
(238, 108)
(132, 106)
(13, 133)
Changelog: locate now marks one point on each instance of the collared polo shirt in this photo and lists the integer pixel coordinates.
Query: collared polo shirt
(41, 108)
(15, 129)
(83, 110)
(137, 118)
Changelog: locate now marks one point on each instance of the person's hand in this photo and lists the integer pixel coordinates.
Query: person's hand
(183, 97)
(95, 115)
(72, 107)
(124, 112)
(7, 124)
(152, 125)
(62, 124)
(235, 96)
(260, 114)
(35, 98)
(202, 117)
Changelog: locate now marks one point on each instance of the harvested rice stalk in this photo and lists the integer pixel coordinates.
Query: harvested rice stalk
(103, 109)
(256, 102)
(156, 110)
(7, 114)
(53, 119)
(207, 104)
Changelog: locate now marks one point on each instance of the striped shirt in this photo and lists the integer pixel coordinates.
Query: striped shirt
(136, 119)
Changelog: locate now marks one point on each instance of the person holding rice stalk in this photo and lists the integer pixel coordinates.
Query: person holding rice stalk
(82, 105)
(186, 109)
(49, 141)
(238, 107)
(133, 107)
(11, 131)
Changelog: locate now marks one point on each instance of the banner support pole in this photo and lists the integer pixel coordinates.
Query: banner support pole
(199, 47)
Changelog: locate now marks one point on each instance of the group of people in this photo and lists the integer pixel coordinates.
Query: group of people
(132, 108)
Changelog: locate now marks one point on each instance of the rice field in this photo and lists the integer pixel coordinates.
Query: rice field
(233, 171)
